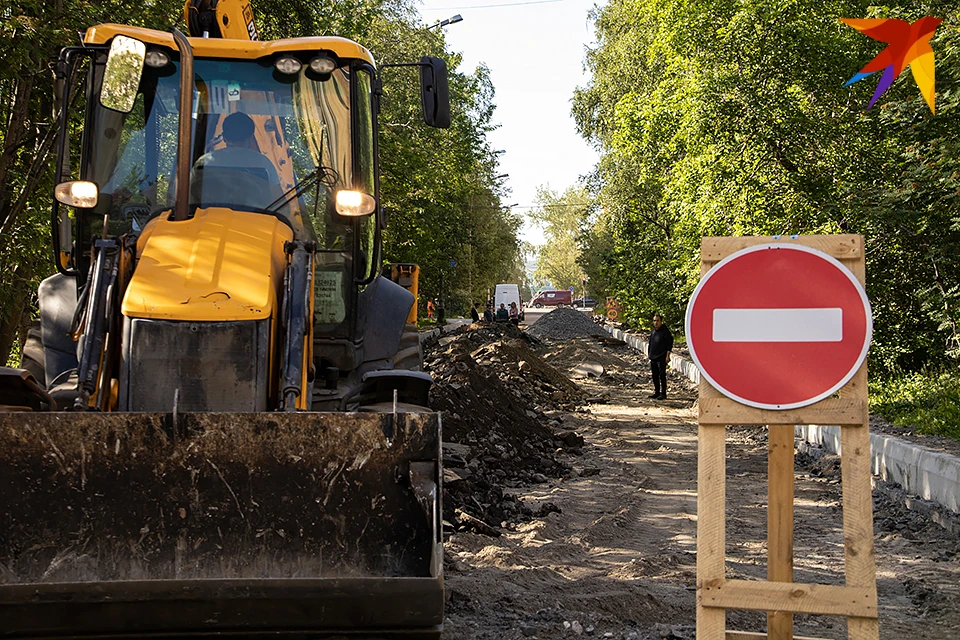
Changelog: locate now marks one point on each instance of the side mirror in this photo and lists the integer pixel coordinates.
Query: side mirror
(434, 92)
(121, 77)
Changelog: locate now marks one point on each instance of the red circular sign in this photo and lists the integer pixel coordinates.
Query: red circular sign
(779, 326)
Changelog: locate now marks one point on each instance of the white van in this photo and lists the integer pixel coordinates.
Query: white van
(505, 294)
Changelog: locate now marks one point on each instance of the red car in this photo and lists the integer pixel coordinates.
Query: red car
(556, 298)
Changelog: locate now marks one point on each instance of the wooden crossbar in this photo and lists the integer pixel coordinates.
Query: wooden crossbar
(752, 635)
(755, 595)
(779, 596)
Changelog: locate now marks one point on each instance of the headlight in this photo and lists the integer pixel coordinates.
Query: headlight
(288, 65)
(355, 203)
(323, 64)
(156, 59)
(77, 193)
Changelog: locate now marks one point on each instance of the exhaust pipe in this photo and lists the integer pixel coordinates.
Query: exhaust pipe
(184, 132)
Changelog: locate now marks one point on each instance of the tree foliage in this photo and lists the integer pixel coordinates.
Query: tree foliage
(32, 33)
(731, 118)
(439, 186)
(561, 216)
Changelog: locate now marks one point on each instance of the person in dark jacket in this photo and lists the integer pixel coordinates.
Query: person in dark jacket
(661, 344)
(475, 313)
(488, 313)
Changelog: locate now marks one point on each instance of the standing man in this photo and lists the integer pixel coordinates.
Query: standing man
(474, 313)
(661, 344)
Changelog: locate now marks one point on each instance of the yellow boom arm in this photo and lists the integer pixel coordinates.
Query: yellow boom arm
(230, 19)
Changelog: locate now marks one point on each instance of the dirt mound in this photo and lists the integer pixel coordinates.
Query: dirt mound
(570, 353)
(479, 335)
(564, 323)
(494, 390)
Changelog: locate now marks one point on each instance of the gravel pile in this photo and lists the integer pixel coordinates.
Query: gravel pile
(564, 323)
(494, 391)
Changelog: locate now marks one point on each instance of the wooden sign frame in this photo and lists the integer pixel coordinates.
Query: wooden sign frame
(779, 596)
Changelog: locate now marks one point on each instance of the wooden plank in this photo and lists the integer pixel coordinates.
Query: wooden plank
(848, 408)
(857, 505)
(842, 247)
(863, 629)
(856, 387)
(754, 635)
(859, 551)
(860, 602)
(711, 525)
(858, 268)
(780, 522)
(836, 411)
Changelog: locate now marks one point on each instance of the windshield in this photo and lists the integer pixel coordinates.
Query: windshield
(262, 141)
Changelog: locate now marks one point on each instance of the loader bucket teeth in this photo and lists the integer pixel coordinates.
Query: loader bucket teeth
(218, 522)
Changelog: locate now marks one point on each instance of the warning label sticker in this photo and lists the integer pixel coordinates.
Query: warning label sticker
(328, 302)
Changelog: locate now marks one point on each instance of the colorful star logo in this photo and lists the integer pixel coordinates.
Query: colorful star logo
(909, 44)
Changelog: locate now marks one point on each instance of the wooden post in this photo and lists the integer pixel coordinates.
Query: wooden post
(780, 522)
(779, 596)
(711, 523)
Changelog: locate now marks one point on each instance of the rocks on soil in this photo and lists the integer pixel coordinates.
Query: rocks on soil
(495, 393)
(564, 323)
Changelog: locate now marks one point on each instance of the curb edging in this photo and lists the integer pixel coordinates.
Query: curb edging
(684, 366)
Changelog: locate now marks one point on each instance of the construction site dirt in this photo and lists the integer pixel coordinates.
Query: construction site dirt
(570, 503)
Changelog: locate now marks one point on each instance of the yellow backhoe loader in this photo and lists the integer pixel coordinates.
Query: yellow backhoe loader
(221, 426)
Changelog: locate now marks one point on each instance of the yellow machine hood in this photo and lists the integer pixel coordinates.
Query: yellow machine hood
(220, 265)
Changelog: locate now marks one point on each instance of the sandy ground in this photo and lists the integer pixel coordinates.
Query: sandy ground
(619, 559)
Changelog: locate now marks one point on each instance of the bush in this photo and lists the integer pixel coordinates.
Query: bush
(927, 402)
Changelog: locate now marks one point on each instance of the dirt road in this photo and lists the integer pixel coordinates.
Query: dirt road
(618, 559)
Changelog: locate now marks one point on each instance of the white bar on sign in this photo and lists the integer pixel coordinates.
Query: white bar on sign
(778, 325)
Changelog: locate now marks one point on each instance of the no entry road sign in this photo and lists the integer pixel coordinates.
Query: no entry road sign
(779, 326)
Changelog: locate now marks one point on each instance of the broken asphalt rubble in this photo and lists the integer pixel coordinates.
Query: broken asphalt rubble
(502, 410)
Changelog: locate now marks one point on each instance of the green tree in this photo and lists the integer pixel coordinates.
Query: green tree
(561, 216)
(32, 33)
(725, 118)
(440, 187)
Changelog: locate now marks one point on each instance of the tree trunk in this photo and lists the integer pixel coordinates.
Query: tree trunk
(10, 327)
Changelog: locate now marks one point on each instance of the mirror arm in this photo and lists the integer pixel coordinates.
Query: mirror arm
(183, 143)
(387, 65)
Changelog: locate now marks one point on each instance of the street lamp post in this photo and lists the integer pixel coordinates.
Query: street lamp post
(451, 20)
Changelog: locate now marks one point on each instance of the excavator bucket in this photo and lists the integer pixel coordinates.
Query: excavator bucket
(121, 525)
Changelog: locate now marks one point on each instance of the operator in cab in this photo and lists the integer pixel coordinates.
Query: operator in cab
(238, 174)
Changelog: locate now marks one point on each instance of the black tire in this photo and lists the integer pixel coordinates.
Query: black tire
(410, 354)
(538, 305)
(31, 358)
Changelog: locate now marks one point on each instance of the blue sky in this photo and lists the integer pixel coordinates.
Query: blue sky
(535, 54)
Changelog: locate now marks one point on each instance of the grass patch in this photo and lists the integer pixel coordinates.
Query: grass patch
(927, 403)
